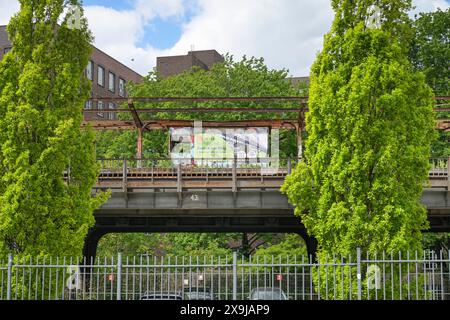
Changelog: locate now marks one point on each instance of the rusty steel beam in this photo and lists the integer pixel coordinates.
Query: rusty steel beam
(199, 109)
(209, 99)
(109, 124)
(135, 115)
(137, 123)
(158, 124)
(198, 99)
(443, 124)
(214, 110)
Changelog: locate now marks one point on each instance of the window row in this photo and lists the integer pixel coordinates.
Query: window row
(101, 78)
(100, 106)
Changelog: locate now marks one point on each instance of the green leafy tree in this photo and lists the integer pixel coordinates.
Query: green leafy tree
(42, 92)
(290, 245)
(369, 128)
(165, 244)
(431, 54)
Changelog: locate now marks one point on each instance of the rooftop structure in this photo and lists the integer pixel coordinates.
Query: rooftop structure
(173, 65)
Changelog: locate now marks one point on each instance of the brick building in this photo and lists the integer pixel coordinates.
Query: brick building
(173, 65)
(108, 77)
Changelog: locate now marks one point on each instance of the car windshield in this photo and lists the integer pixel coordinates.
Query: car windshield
(267, 294)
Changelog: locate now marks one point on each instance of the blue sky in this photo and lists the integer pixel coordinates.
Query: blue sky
(286, 33)
(116, 4)
(162, 33)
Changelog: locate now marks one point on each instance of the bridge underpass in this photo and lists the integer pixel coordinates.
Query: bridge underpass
(148, 198)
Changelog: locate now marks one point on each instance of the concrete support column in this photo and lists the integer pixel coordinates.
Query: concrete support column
(91, 244)
(311, 245)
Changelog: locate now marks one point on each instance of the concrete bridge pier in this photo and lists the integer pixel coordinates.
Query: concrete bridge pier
(91, 244)
(311, 245)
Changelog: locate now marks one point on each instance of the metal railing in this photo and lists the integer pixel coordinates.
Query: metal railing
(228, 170)
(117, 164)
(386, 276)
(190, 173)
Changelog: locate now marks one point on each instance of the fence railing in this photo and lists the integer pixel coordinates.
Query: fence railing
(385, 276)
(227, 172)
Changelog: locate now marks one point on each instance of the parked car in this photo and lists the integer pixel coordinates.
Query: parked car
(162, 296)
(197, 293)
(267, 293)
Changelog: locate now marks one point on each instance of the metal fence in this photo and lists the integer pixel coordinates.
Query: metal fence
(418, 276)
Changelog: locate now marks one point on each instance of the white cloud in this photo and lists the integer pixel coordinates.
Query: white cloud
(287, 33)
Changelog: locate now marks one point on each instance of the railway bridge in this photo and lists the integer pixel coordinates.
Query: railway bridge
(232, 195)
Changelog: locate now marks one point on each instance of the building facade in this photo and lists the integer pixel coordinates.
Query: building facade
(108, 77)
(173, 65)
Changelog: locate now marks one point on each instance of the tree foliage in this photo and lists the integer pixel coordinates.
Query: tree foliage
(42, 92)
(431, 49)
(248, 77)
(430, 54)
(370, 126)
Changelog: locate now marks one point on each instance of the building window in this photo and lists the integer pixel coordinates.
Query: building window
(100, 107)
(88, 105)
(121, 87)
(111, 82)
(112, 115)
(90, 70)
(6, 50)
(101, 76)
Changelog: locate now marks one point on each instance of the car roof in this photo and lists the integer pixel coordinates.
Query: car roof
(267, 289)
(161, 294)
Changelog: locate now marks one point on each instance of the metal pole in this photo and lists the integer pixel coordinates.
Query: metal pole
(124, 175)
(179, 178)
(289, 166)
(179, 184)
(8, 288)
(139, 147)
(301, 118)
(119, 276)
(234, 174)
(358, 271)
(235, 275)
(448, 174)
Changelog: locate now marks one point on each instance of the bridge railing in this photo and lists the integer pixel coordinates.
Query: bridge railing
(165, 162)
(439, 163)
(237, 171)
(192, 166)
(117, 163)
